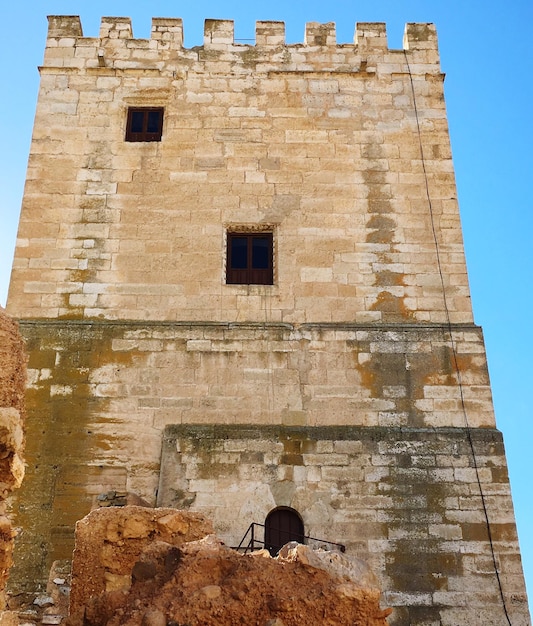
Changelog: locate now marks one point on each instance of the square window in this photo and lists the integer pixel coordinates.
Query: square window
(144, 124)
(249, 259)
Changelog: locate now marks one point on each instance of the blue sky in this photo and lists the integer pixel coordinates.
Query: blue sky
(487, 56)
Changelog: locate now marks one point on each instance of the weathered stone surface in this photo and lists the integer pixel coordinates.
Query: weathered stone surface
(405, 500)
(107, 382)
(339, 566)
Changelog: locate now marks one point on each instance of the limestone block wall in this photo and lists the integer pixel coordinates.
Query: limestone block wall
(100, 395)
(341, 150)
(407, 501)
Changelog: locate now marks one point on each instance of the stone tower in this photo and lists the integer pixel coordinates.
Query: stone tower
(241, 281)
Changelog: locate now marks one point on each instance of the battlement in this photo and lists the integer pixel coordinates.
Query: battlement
(370, 38)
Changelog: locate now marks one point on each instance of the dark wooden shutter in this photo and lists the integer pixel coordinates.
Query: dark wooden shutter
(250, 259)
(144, 124)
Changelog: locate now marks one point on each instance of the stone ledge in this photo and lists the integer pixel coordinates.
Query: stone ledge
(350, 326)
(201, 432)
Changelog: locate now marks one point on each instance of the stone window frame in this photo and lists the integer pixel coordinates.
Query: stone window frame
(251, 229)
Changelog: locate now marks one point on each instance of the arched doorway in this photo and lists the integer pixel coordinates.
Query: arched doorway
(281, 526)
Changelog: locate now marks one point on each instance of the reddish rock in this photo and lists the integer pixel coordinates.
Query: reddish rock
(12, 389)
(109, 542)
(204, 583)
(12, 364)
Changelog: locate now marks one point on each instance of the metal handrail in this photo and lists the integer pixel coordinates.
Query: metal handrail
(253, 539)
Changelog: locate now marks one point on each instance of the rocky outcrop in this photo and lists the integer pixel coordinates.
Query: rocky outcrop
(144, 567)
(12, 388)
(109, 541)
(12, 364)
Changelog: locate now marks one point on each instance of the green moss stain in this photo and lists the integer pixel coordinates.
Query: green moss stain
(408, 372)
(250, 57)
(419, 561)
(61, 445)
(381, 228)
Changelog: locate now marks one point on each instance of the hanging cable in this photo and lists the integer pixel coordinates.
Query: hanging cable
(453, 347)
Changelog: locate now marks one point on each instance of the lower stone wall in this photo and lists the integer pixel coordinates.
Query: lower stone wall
(405, 500)
(101, 394)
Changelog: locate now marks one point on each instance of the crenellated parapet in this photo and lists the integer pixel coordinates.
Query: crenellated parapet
(319, 50)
